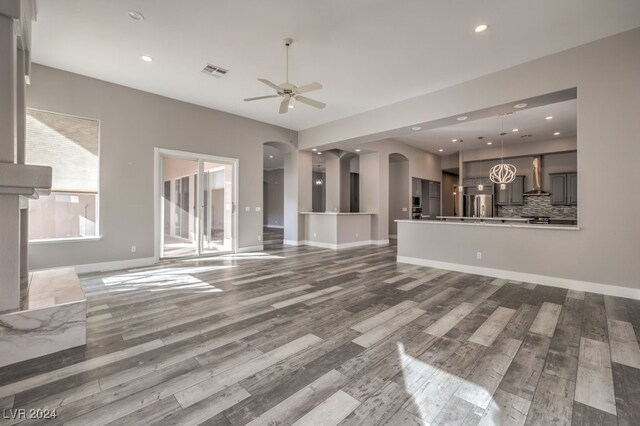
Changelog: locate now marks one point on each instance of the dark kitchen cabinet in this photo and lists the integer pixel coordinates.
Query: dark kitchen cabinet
(564, 189)
(572, 189)
(416, 187)
(513, 194)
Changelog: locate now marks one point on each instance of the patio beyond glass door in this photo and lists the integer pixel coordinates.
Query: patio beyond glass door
(197, 205)
(217, 196)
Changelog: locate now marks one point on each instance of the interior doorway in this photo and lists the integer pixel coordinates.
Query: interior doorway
(196, 203)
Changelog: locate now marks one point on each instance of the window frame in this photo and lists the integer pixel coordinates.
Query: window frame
(98, 235)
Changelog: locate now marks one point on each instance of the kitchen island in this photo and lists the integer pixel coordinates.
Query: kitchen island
(337, 230)
(534, 253)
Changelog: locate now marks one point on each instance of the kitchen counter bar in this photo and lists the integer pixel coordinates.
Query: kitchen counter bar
(485, 223)
(484, 219)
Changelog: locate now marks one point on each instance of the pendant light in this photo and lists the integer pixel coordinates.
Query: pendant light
(502, 173)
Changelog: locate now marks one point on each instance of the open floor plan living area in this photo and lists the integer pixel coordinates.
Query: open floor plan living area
(319, 213)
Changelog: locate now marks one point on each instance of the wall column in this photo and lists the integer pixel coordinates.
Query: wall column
(9, 204)
(21, 129)
(460, 195)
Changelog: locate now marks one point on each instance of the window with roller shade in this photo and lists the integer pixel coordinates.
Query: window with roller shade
(70, 146)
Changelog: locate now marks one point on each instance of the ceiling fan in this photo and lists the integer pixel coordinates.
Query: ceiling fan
(290, 91)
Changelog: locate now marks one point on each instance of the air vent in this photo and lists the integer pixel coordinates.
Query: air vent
(214, 71)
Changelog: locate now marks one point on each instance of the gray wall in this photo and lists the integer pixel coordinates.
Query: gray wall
(605, 250)
(132, 124)
(273, 197)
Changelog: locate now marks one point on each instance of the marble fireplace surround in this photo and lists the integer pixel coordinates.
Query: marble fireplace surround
(54, 319)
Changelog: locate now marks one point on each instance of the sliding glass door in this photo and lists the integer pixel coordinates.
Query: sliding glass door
(197, 204)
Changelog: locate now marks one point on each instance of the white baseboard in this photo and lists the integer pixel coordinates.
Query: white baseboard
(380, 242)
(610, 290)
(251, 248)
(339, 246)
(115, 265)
(294, 242)
(274, 226)
(393, 237)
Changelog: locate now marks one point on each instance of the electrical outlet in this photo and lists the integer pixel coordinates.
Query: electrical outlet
(247, 209)
(259, 237)
(357, 235)
(315, 235)
(479, 255)
(404, 209)
(133, 249)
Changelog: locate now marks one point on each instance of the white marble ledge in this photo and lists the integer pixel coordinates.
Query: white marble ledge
(24, 179)
(339, 213)
(38, 332)
(494, 225)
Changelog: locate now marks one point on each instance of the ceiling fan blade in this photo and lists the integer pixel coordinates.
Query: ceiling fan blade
(311, 102)
(284, 105)
(270, 84)
(309, 87)
(261, 97)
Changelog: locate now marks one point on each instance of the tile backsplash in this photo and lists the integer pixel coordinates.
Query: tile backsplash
(538, 205)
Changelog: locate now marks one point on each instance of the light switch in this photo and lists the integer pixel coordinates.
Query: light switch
(404, 209)
(258, 209)
(247, 209)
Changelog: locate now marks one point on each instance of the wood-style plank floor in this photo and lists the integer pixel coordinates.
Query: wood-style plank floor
(305, 336)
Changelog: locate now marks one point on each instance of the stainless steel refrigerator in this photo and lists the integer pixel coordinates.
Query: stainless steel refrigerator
(478, 205)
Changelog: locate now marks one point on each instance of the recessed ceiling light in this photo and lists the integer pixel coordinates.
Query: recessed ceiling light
(549, 117)
(134, 14)
(514, 130)
(489, 143)
(519, 106)
(290, 106)
(481, 28)
(358, 150)
(441, 150)
(416, 128)
(271, 156)
(556, 134)
(313, 149)
(319, 153)
(462, 118)
(146, 58)
(454, 140)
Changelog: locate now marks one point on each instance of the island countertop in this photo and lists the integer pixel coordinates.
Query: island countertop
(338, 213)
(470, 222)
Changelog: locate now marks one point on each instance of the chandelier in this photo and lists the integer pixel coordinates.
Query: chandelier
(503, 173)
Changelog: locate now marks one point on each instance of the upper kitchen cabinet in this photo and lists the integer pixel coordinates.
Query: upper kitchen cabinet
(564, 189)
(512, 195)
(416, 187)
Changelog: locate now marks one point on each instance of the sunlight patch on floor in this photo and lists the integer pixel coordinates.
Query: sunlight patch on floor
(431, 388)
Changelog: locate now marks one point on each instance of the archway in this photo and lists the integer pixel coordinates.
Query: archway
(276, 169)
(399, 191)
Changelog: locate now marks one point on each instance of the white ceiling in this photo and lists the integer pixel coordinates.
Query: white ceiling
(531, 121)
(366, 53)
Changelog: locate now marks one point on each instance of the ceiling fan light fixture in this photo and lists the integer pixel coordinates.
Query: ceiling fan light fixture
(289, 91)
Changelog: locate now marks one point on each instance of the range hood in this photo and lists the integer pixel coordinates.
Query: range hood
(537, 180)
